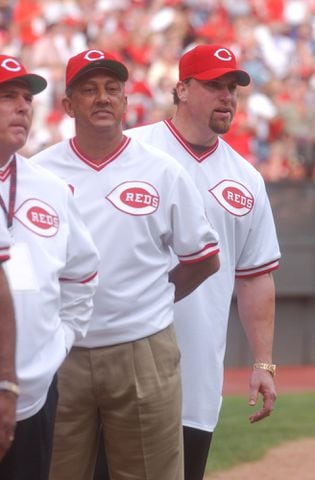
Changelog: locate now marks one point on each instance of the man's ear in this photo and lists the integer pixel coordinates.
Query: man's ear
(126, 103)
(67, 105)
(182, 91)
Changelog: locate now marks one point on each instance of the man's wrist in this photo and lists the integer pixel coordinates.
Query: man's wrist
(6, 385)
(269, 367)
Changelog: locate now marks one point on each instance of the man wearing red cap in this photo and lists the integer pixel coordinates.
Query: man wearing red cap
(52, 276)
(125, 375)
(7, 348)
(236, 201)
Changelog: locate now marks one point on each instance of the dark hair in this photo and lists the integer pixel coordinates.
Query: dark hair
(69, 91)
(175, 97)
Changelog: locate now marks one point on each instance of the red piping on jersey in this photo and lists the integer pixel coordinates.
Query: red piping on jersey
(252, 272)
(86, 280)
(5, 173)
(6, 255)
(198, 259)
(209, 250)
(99, 166)
(197, 156)
(206, 247)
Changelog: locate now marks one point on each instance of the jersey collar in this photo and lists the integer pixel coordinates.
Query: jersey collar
(199, 156)
(108, 159)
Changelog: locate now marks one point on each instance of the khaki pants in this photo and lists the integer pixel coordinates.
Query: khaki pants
(134, 391)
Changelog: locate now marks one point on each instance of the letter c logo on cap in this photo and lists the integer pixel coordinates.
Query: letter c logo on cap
(11, 64)
(93, 55)
(223, 54)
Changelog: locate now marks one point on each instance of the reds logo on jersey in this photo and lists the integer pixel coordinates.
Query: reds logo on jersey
(135, 198)
(234, 197)
(38, 217)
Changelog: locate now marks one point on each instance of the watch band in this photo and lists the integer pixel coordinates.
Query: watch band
(10, 387)
(270, 367)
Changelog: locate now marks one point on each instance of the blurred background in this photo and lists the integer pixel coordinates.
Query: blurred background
(274, 128)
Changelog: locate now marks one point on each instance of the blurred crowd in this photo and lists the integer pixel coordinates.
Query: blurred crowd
(274, 40)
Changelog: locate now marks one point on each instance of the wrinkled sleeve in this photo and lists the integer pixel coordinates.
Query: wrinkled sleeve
(192, 236)
(261, 253)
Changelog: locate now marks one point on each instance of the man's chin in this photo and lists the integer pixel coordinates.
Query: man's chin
(19, 143)
(221, 130)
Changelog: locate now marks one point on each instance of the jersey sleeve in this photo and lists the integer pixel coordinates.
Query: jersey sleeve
(261, 253)
(192, 236)
(5, 239)
(79, 279)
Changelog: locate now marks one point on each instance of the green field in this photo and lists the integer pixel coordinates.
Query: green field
(236, 440)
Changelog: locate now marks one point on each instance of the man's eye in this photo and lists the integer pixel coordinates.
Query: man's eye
(88, 90)
(113, 90)
(211, 84)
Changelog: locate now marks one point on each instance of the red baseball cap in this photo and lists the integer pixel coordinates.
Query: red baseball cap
(207, 62)
(11, 69)
(91, 60)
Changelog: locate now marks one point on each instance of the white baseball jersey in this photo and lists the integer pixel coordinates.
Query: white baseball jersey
(137, 204)
(5, 240)
(236, 201)
(52, 274)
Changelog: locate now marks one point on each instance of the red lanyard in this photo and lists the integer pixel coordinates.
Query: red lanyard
(9, 212)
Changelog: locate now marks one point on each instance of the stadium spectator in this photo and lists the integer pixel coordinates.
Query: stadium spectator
(151, 35)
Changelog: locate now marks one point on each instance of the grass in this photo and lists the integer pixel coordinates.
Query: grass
(236, 440)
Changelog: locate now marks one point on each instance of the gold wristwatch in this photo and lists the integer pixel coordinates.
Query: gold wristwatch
(270, 367)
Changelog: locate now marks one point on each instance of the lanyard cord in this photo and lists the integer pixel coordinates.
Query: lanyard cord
(9, 213)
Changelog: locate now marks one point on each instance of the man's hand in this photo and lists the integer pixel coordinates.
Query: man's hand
(261, 382)
(7, 420)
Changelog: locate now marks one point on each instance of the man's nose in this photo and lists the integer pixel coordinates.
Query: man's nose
(23, 104)
(102, 94)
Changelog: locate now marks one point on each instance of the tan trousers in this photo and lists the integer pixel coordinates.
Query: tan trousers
(134, 391)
